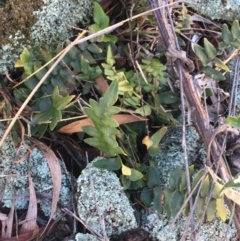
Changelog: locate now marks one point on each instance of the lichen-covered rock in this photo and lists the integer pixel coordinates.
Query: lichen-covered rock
(85, 237)
(37, 22)
(159, 229)
(108, 197)
(14, 165)
(171, 154)
(217, 9)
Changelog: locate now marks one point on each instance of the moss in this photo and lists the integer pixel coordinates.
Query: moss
(38, 22)
(17, 15)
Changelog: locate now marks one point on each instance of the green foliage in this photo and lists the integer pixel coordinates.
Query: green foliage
(104, 130)
(176, 194)
(53, 113)
(114, 164)
(81, 65)
(184, 21)
(101, 22)
(208, 53)
(233, 121)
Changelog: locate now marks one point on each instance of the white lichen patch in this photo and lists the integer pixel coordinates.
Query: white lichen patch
(171, 154)
(14, 163)
(217, 9)
(160, 229)
(56, 17)
(85, 237)
(111, 201)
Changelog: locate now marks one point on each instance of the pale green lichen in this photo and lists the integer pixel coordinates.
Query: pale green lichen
(217, 9)
(171, 154)
(15, 184)
(111, 201)
(85, 237)
(44, 22)
(160, 229)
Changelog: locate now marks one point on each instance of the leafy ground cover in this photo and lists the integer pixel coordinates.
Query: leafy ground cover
(116, 88)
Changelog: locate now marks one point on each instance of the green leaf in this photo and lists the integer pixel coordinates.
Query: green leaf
(43, 116)
(92, 131)
(131, 101)
(105, 148)
(216, 190)
(41, 130)
(177, 202)
(168, 196)
(168, 97)
(56, 117)
(42, 72)
(44, 104)
(98, 109)
(183, 183)
(211, 210)
(201, 54)
(137, 184)
(196, 179)
(153, 176)
(144, 111)
(235, 29)
(219, 63)
(236, 43)
(124, 85)
(108, 121)
(111, 164)
(158, 199)
(21, 93)
(91, 114)
(110, 60)
(213, 73)
(110, 97)
(200, 206)
(226, 34)
(205, 187)
(186, 209)
(99, 17)
(146, 196)
(25, 55)
(31, 82)
(94, 48)
(150, 88)
(234, 183)
(233, 121)
(58, 101)
(209, 49)
(157, 136)
(125, 182)
(135, 175)
(175, 178)
(221, 209)
(113, 110)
